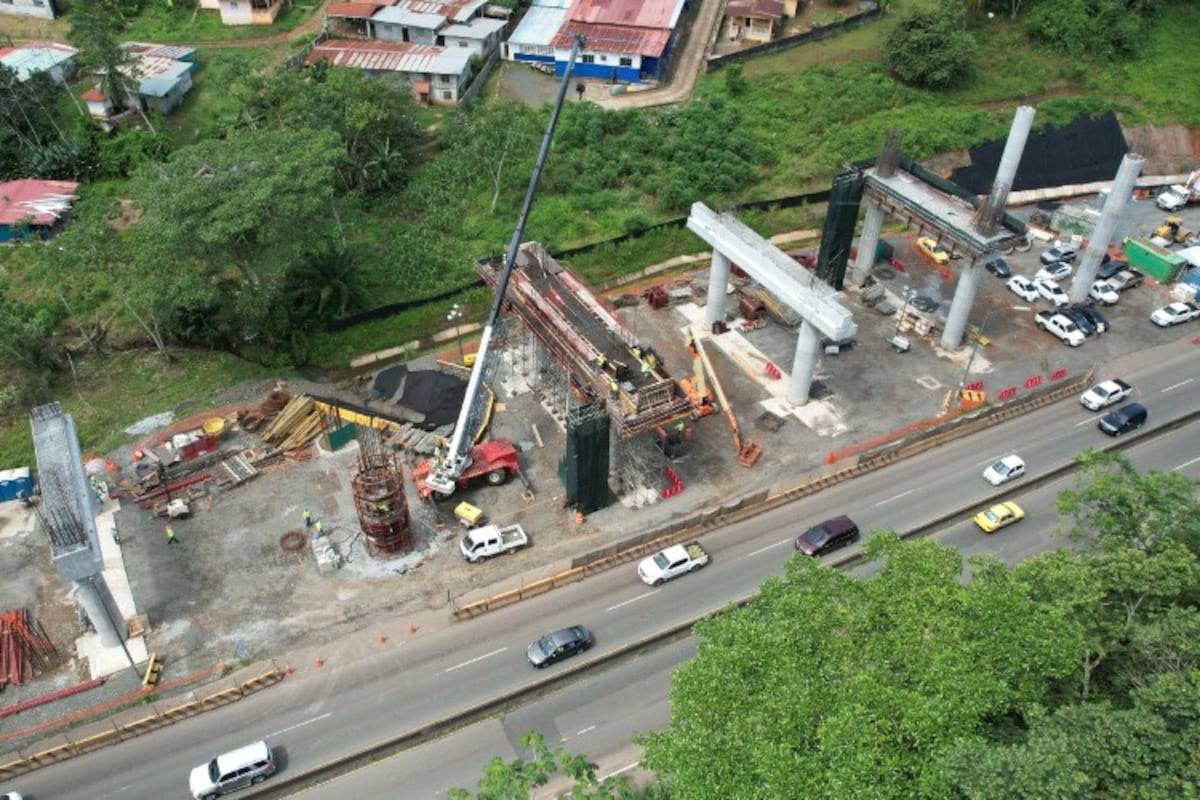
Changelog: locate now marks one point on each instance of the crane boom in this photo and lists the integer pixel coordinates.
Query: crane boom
(748, 451)
(458, 452)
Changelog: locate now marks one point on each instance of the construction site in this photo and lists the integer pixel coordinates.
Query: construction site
(292, 513)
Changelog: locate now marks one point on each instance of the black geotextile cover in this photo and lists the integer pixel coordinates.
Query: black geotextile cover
(436, 395)
(1085, 151)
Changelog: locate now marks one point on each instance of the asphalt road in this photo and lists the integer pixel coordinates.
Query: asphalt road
(367, 697)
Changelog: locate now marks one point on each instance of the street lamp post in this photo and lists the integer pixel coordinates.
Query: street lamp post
(908, 293)
(453, 317)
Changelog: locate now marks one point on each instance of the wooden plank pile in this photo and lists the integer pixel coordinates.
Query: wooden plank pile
(23, 646)
(296, 425)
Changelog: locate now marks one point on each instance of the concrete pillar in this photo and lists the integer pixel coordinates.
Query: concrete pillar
(960, 306)
(1110, 215)
(718, 281)
(804, 364)
(1006, 171)
(868, 242)
(97, 601)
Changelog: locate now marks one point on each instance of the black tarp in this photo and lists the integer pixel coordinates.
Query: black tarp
(437, 396)
(1085, 151)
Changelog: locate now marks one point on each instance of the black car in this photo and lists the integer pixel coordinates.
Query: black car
(1081, 320)
(998, 267)
(826, 536)
(1109, 267)
(560, 644)
(1095, 316)
(1123, 420)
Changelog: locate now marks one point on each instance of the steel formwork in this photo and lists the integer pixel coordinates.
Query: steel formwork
(378, 488)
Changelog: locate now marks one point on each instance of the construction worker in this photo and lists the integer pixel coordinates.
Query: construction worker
(637, 351)
(614, 389)
(318, 528)
(645, 367)
(171, 535)
(601, 362)
(307, 518)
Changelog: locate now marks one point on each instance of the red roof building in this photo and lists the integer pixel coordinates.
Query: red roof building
(34, 206)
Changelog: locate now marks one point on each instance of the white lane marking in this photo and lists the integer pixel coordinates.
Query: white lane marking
(1177, 385)
(300, 725)
(1188, 463)
(473, 660)
(625, 768)
(586, 730)
(896, 497)
(765, 549)
(633, 600)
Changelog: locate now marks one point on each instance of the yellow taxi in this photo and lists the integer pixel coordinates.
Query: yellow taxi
(933, 251)
(998, 516)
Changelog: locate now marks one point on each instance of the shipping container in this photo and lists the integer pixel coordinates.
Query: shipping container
(1157, 262)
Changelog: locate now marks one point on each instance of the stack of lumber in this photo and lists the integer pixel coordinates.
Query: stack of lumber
(296, 425)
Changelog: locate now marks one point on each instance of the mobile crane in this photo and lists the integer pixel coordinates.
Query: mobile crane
(462, 461)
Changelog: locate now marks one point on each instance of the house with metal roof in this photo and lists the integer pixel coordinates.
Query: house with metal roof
(419, 21)
(625, 41)
(531, 40)
(31, 207)
(52, 58)
(44, 9)
(753, 20)
(436, 74)
(161, 73)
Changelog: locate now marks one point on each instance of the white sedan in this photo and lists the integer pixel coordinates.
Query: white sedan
(1057, 271)
(1175, 313)
(1004, 470)
(1023, 288)
(1104, 293)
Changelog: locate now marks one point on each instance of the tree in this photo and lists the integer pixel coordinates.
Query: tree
(222, 223)
(515, 780)
(491, 138)
(1097, 30)
(824, 685)
(96, 29)
(1120, 507)
(930, 47)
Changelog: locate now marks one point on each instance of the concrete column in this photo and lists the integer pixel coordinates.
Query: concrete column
(1110, 215)
(718, 280)
(868, 242)
(1006, 171)
(804, 364)
(960, 306)
(101, 608)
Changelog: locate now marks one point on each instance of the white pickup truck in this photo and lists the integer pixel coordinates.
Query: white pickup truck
(492, 540)
(1060, 326)
(672, 562)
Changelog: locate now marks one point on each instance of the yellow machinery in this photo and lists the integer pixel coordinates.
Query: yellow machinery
(748, 451)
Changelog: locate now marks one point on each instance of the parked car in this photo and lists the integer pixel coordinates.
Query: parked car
(1124, 419)
(1055, 271)
(1126, 278)
(998, 267)
(998, 516)
(560, 644)
(1060, 252)
(1095, 316)
(1104, 293)
(827, 536)
(1109, 267)
(1174, 314)
(1006, 469)
(1023, 288)
(1105, 393)
(1081, 320)
(933, 251)
(1049, 290)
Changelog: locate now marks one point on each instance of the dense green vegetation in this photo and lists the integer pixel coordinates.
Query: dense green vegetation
(415, 195)
(1072, 675)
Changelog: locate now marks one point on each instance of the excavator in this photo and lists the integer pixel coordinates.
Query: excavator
(701, 398)
(461, 461)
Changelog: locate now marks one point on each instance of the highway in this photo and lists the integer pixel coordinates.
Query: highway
(369, 696)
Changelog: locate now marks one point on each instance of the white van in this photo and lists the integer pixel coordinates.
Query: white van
(234, 770)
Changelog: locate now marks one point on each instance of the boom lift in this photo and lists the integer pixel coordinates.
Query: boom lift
(748, 451)
(462, 461)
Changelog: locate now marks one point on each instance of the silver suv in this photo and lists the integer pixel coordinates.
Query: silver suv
(231, 771)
